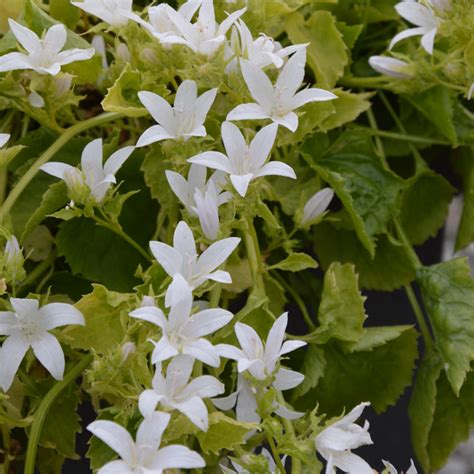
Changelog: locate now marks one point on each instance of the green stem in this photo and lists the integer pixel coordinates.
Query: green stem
(49, 153)
(38, 271)
(276, 456)
(6, 448)
(415, 261)
(298, 300)
(373, 82)
(43, 408)
(419, 317)
(295, 462)
(253, 252)
(215, 295)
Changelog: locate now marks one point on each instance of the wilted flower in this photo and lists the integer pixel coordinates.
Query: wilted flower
(316, 205)
(175, 391)
(278, 102)
(184, 120)
(390, 66)
(335, 442)
(95, 177)
(44, 55)
(243, 162)
(144, 454)
(113, 12)
(27, 326)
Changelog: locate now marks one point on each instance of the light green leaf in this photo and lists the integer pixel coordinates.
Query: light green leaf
(377, 336)
(313, 367)
(264, 212)
(448, 295)
(8, 154)
(65, 12)
(341, 313)
(295, 263)
(223, 433)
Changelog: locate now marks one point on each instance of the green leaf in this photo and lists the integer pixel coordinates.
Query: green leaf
(389, 269)
(295, 263)
(425, 205)
(62, 424)
(65, 12)
(313, 367)
(327, 52)
(377, 336)
(369, 193)
(264, 212)
(448, 295)
(103, 329)
(341, 313)
(53, 199)
(379, 376)
(8, 154)
(422, 406)
(223, 433)
(436, 104)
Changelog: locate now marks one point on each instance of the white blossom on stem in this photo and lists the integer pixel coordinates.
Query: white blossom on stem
(27, 326)
(182, 331)
(425, 20)
(184, 120)
(278, 102)
(95, 177)
(392, 67)
(143, 455)
(336, 441)
(244, 163)
(391, 468)
(183, 259)
(177, 392)
(207, 210)
(44, 55)
(317, 205)
(113, 12)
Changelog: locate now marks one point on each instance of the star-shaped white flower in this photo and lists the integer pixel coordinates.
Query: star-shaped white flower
(204, 36)
(335, 442)
(391, 468)
(277, 102)
(183, 259)
(261, 51)
(392, 67)
(316, 205)
(184, 120)
(4, 137)
(185, 189)
(27, 326)
(243, 162)
(175, 391)
(183, 332)
(143, 455)
(95, 177)
(44, 55)
(113, 12)
(425, 20)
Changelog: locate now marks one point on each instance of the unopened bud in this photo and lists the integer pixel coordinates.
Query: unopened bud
(316, 205)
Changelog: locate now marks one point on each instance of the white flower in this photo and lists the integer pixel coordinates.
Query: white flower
(183, 259)
(175, 391)
(262, 51)
(184, 120)
(95, 176)
(441, 5)
(27, 326)
(113, 12)
(186, 189)
(183, 332)
(207, 210)
(243, 162)
(44, 55)
(145, 454)
(390, 66)
(391, 469)
(425, 20)
(277, 102)
(335, 442)
(36, 100)
(4, 137)
(317, 205)
(204, 36)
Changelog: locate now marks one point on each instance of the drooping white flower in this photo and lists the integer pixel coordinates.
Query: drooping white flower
(204, 36)
(27, 326)
(113, 12)
(95, 177)
(316, 205)
(391, 469)
(185, 189)
(243, 162)
(44, 55)
(143, 455)
(175, 391)
(390, 66)
(335, 442)
(183, 259)
(261, 51)
(4, 137)
(184, 120)
(183, 332)
(425, 20)
(207, 210)
(277, 102)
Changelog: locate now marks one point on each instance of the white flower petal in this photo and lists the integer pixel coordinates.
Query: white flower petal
(164, 350)
(427, 40)
(292, 75)
(225, 403)
(56, 169)
(290, 346)
(247, 112)
(286, 379)
(115, 467)
(415, 13)
(147, 402)
(117, 159)
(24, 306)
(168, 257)
(229, 352)
(216, 254)
(152, 314)
(204, 386)
(203, 350)
(203, 104)
(183, 241)
(311, 95)
(262, 144)
(212, 159)
(151, 429)
(55, 38)
(185, 98)
(349, 462)
(153, 134)
(60, 314)
(194, 409)
(288, 414)
(390, 66)
(176, 456)
(27, 38)
(4, 137)
(12, 352)
(234, 143)
(49, 352)
(290, 121)
(8, 322)
(274, 341)
(276, 168)
(241, 182)
(72, 55)
(208, 321)
(91, 162)
(249, 341)
(221, 276)
(258, 83)
(406, 34)
(159, 109)
(14, 61)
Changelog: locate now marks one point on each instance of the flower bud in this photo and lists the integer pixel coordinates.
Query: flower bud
(13, 261)
(123, 53)
(316, 205)
(390, 66)
(36, 100)
(127, 350)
